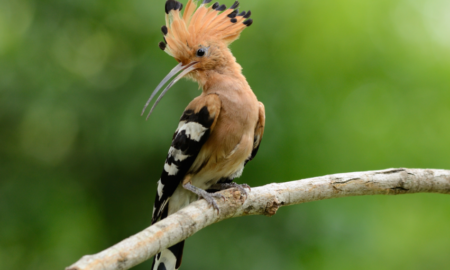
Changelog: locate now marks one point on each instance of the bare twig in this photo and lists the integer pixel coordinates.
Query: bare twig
(263, 200)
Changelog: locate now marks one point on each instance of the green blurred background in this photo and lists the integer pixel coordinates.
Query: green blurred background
(348, 85)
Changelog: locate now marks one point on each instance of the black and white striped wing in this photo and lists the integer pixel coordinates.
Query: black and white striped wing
(192, 132)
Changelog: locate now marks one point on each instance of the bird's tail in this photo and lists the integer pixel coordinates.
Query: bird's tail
(169, 259)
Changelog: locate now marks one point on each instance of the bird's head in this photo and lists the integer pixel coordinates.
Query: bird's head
(198, 39)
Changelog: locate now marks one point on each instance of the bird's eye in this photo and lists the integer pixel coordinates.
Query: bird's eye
(201, 52)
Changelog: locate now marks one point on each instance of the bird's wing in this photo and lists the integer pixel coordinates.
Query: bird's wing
(196, 124)
(259, 131)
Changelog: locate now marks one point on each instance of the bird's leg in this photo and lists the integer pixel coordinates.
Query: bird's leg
(241, 188)
(209, 197)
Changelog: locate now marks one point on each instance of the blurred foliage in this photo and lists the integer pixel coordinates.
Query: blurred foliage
(348, 85)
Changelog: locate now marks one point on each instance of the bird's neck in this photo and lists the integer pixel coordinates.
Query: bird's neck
(224, 75)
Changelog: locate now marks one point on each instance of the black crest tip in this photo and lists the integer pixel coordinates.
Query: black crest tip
(206, 2)
(171, 4)
(221, 8)
(164, 30)
(248, 22)
(233, 14)
(215, 5)
(249, 13)
(235, 5)
(242, 13)
(234, 20)
(162, 45)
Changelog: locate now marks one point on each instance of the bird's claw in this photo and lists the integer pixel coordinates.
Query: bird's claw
(219, 196)
(242, 188)
(246, 186)
(209, 197)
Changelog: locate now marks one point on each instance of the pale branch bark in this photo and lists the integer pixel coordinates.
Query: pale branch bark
(263, 200)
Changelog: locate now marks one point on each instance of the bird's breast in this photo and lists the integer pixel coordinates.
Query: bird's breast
(231, 141)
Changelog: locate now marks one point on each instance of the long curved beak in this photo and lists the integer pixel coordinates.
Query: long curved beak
(185, 70)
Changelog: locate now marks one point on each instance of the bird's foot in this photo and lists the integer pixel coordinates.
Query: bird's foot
(209, 197)
(241, 188)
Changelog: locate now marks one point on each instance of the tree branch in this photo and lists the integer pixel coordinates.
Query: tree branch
(263, 200)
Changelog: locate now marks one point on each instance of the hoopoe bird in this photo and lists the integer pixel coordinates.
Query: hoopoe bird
(220, 130)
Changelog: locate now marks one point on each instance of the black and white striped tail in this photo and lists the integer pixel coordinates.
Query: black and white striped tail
(170, 258)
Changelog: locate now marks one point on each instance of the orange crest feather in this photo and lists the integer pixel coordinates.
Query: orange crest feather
(198, 25)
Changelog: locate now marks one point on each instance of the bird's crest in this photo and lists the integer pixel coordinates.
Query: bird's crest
(189, 35)
(197, 25)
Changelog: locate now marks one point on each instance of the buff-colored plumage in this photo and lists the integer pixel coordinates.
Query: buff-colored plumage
(231, 142)
(220, 130)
